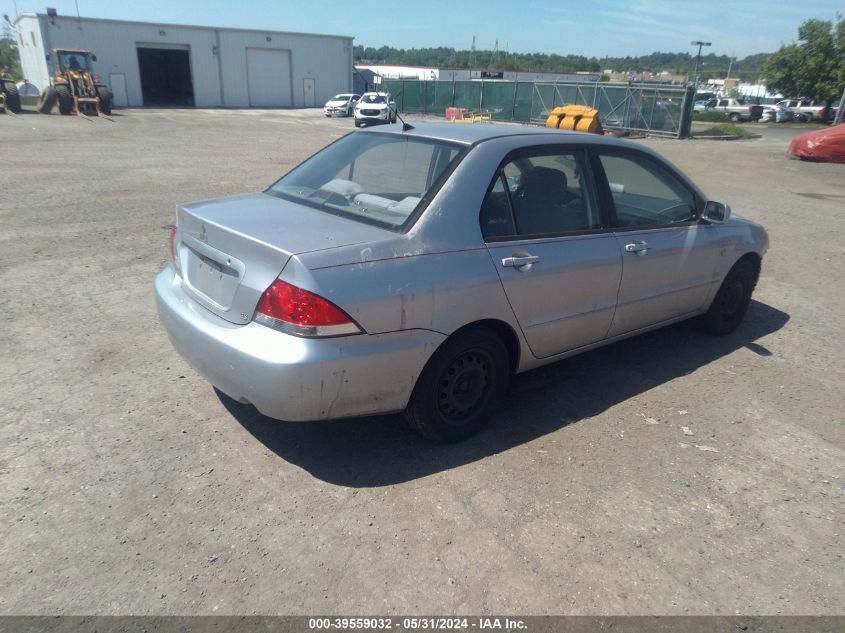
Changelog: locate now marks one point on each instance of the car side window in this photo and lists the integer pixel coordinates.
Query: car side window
(644, 193)
(540, 194)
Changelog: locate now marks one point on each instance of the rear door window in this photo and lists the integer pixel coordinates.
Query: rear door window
(542, 193)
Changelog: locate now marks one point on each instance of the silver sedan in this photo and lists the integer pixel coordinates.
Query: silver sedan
(416, 269)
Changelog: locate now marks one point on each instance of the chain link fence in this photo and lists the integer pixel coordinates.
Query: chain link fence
(664, 110)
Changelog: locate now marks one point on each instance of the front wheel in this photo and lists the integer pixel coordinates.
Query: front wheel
(65, 99)
(47, 100)
(357, 123)
(460, 387)
(732, 300)
(13, 97)
(105, 96)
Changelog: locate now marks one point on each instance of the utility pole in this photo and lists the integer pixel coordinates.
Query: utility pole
(698, 59)
(472, 55)
(730, 66)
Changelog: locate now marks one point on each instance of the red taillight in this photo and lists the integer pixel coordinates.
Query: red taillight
(297, 311)
(172, 243)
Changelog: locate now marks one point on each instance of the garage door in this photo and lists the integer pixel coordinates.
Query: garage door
(268, 77)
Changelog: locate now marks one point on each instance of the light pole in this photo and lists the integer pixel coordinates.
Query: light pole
(698, 59)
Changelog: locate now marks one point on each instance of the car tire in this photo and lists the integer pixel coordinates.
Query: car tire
(13, 97)
(732, 300)
(460, 387)
(105, 99)
(47, 100)
(357, 123)
(65, 99)
(734, 117)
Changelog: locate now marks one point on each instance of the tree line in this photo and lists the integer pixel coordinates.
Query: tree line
(712, 65)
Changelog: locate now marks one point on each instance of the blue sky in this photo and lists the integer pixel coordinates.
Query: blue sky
(592, 28)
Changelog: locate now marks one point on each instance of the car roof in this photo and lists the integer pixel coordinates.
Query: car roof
(471, 133)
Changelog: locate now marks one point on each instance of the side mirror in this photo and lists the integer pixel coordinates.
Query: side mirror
(716, 212)
(93, 58)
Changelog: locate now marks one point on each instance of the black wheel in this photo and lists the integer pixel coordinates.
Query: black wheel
(65, 99)
(105, 99)
(393, 117)
(13, 98)
(731, 301)
(460, 387)
(357, 123)
(47, 100)
(349, 111)
(734, 117)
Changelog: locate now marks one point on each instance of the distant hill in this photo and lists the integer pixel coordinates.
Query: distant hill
(715, 66)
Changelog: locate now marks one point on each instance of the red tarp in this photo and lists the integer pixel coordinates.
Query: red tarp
(823, 145)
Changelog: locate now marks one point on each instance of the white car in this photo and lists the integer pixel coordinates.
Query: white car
(341, 105)
(375, 107)
(777, 113)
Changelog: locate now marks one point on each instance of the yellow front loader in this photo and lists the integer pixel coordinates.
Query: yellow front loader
(75, 88)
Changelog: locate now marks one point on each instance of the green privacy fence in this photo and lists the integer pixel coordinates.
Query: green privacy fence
(654, 109)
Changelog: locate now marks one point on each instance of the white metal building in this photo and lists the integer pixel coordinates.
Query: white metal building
(431, 73)
(168, 64)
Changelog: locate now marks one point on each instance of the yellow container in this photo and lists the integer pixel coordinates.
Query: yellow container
(575, 117)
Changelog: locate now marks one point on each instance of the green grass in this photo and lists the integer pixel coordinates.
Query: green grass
(711, 116)
(726, 129)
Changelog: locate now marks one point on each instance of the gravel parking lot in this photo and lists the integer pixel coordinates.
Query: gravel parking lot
(127, 486)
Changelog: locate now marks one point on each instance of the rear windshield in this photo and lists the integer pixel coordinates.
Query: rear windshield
(375, 178)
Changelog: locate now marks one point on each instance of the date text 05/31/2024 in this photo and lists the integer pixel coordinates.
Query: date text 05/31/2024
(415, 624)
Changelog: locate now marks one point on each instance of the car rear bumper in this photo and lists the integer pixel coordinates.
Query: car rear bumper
(289, 377)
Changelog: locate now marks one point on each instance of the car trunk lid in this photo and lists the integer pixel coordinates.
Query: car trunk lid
(230, 250)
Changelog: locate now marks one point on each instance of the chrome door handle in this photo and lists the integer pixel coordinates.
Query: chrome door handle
(517, 261)
(637, 247)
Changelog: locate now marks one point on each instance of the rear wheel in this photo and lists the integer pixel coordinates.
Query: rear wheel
(460, 387)
(105, 99)
(47, 100)
(731, 301)
(13, 98)
(65, 99)
(734, 117)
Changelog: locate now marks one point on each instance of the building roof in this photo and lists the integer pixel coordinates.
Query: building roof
(182, 26)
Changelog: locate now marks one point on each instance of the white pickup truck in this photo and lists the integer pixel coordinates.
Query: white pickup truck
(735, 109)
(812, 109)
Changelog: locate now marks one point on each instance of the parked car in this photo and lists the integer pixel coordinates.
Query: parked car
(737, 110)
(812, 109)
(375, 107)
(777, 114)
(417, 270)
(341, 105)
(701, 105)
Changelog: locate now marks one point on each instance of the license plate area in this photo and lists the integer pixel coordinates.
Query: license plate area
(212, 274)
